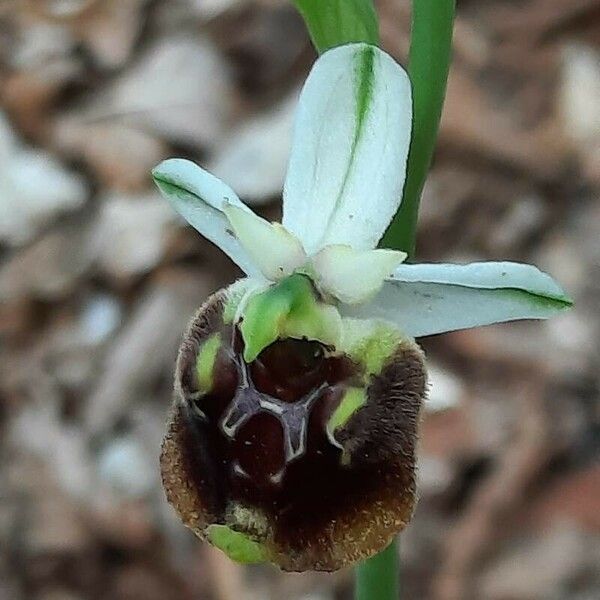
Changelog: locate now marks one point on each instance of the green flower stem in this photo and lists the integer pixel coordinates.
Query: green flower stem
(378, 578)
(429, 62)
(428, 65)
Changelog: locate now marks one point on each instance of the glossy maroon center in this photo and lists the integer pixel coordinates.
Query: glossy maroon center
(289, 369)
(268, 418)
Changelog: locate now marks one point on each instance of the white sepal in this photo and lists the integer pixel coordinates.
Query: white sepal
(200, 198)
(429, 299)
(350, 146)
(489, 275)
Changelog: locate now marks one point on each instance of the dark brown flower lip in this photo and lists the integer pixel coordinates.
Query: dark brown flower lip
(264, 466)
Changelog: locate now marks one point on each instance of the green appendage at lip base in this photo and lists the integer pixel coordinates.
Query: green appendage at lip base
(287, 309)
(369, 343)
(352, 400)
(205, 363)
(237, 546)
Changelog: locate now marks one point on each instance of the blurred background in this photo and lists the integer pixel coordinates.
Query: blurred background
(98, 278)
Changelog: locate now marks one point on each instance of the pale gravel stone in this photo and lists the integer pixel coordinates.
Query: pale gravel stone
(131, 233)
(34, 189)
(181, 89)
(253, 158)
(446, 390)
(125, 465)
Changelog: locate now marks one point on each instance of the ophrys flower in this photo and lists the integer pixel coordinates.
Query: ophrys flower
(292, 434)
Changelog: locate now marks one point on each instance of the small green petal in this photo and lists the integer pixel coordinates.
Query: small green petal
(272, 248)
(238, 546)
(353, 276)
(206, 362)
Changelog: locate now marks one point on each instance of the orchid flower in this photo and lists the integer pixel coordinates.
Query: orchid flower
(299, 387)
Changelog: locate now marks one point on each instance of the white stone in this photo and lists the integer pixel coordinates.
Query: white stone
(210, 9)
(434, 475)
(522, 217)
(131, 233)
(100, 317)
(181, 88)
(50, 267)
(66, 8)
(253, 158)
(542, 567)
(445, 389)
(38, 429)
(41, 45)
(110, 29)
(126, 467)
(34, 188)
(580, 93)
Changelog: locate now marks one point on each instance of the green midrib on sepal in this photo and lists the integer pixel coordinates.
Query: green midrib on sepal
(541, 300)
(364, 73)
(171, 189)
(364, 92)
